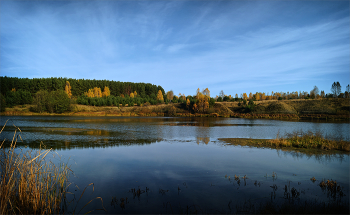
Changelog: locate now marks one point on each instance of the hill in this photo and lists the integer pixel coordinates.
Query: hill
(320, 108)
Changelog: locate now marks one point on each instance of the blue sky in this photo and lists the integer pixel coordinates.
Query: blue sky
(234, 46)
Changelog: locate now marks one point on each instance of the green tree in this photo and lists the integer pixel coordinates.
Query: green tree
(2, 103)
(211, 102)
(251, 105)
(58, 102)
(40, 101)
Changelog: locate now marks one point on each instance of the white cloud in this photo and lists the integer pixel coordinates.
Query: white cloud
(179, 45)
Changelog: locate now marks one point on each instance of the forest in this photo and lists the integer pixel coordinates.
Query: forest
(46, 93)
(55, 95)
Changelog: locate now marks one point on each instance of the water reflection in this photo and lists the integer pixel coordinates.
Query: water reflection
(177, 165)
(318, 155)
(204, 140)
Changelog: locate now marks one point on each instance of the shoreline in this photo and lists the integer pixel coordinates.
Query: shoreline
(162, 114)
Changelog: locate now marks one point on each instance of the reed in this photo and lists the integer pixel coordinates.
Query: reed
(310, 140)
(30, 183)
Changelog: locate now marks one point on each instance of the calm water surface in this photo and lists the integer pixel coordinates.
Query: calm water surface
(177, 165)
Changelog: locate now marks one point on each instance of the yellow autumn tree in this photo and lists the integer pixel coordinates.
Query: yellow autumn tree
(13, 90)
(67, 88)
(257, 96)
(135, 93)
(89, 93)
(250, 95)
(182, 96)
(97, 92)
(188, 103)
(195, 108)
(206, 92)
(160, 96)
(245, 96)
(106, 92)
(263, 96)
(131, 95)
(202, 103)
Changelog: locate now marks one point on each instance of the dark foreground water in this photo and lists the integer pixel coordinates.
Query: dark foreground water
(177, 165)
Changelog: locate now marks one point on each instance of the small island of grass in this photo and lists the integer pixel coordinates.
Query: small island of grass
(296, 140)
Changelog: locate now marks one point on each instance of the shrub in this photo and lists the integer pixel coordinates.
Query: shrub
(211, 102)
(172, 111)
(40, 101)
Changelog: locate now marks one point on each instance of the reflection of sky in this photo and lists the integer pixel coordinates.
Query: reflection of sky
(177, 161)
(158, 128)
(168, 165)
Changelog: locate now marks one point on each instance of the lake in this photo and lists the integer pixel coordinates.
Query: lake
(178, 165)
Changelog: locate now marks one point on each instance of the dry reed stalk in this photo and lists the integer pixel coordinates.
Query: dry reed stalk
(29, 183)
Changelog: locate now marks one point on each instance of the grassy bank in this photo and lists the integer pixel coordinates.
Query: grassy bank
(302, 140)
(328, 109)
(323, 109)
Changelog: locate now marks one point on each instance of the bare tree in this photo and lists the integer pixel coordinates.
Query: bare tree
(222, 94)
(336, 89)
(170, 95)
(314, 92)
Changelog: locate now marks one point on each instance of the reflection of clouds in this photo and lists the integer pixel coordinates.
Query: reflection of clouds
(323, 157)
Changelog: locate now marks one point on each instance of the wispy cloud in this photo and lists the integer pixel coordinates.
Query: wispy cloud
(235, 46)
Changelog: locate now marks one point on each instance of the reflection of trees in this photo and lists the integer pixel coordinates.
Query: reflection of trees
(204, 140)
(320, 156)
(66, 144)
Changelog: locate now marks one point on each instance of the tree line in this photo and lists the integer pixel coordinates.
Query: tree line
(56, 94)
(78, 86)
(19, 91)
(315, 93)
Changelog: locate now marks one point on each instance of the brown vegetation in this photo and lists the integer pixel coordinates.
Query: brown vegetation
(328, 109)
(308, 140)
(29, 183)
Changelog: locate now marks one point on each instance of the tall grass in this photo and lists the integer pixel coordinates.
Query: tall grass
(310, 140)
(29, 182)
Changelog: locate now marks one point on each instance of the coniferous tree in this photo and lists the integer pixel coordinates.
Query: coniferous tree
(2, 103)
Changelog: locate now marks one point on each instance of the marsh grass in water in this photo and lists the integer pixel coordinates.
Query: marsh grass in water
(31, 183)
(306, 140)
(311, 140)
